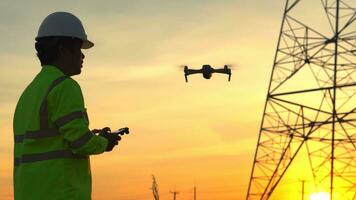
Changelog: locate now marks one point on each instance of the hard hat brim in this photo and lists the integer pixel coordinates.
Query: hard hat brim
(87, 44)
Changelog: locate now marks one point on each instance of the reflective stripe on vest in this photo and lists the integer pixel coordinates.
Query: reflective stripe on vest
(36, 134)
(43, 133)
(27, 158)
(71, 116)
(19, 138)
(44, 107)
(55, 154)
(82, 140)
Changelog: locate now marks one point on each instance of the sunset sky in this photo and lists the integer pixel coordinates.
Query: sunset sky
(202, 133)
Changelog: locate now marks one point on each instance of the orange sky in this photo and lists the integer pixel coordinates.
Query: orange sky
(202, 133)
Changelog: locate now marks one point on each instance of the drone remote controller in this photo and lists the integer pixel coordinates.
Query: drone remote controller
(122, 131)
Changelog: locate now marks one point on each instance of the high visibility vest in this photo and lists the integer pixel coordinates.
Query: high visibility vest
(52, 140)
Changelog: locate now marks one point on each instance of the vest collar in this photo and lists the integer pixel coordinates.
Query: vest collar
(52, 69)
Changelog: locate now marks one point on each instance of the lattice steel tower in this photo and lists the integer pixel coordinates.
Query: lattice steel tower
(155, 188)
(308, 130)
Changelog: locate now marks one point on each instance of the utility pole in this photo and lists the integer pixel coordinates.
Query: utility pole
(174, 194)
(303, 181)
(195, 193)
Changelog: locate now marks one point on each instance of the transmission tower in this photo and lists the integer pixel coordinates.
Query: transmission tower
(155, 188)
(310, 107)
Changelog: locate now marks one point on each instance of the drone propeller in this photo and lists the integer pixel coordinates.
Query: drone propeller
(231, 66)
(180, 67)
(185, 69)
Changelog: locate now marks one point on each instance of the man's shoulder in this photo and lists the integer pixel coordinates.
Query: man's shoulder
(69, 82)
(67, 85)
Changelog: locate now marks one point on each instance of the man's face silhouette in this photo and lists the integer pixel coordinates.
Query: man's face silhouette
(71, 58)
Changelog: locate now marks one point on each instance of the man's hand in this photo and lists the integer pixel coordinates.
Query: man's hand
(112, 138)
(95, 131)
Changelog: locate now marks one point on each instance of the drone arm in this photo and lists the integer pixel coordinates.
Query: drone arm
(193, 71)
(188, 72)
(222, 71)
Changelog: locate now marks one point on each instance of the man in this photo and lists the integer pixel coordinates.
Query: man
(52, 138)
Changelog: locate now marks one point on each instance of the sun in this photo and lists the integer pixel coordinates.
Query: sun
(320, 196)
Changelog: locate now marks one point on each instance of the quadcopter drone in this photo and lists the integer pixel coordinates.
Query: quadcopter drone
(207, 71)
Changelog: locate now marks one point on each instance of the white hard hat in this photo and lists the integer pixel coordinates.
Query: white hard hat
(63, 24)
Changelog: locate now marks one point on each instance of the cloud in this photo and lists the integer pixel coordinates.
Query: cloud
(140, 32)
